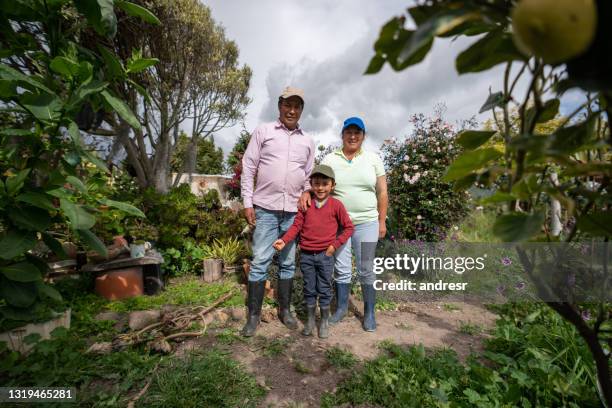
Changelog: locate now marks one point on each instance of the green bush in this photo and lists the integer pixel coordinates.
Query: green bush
(421, 205)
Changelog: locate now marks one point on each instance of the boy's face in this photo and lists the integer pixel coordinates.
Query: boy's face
(322, 187)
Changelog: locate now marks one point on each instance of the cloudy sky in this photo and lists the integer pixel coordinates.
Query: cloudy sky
(323, 47)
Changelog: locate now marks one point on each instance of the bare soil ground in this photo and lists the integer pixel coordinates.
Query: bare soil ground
(295, 370)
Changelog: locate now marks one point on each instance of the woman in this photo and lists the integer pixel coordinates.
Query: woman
(362, 187)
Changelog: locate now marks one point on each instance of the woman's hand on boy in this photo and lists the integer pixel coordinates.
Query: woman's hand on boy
(330, 250)
(279, 244)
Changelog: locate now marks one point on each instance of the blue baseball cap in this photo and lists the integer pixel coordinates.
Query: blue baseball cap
(354, 121)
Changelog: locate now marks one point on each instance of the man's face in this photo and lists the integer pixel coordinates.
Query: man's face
(321, 186)
(290, 110)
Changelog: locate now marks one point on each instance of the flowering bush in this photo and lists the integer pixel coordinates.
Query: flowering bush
(421, 205)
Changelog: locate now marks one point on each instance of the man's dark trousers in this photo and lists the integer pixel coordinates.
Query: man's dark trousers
(317, 270)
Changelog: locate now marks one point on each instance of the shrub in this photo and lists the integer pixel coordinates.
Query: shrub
(421, 205)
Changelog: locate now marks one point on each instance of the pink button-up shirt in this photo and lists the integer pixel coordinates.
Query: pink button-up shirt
(281, 161)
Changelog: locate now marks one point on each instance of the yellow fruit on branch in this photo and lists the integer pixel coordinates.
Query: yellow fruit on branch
(554, 30)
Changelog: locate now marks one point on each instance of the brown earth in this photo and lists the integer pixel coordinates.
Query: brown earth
(295, 371)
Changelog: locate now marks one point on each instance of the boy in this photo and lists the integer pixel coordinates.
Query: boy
(318, 229)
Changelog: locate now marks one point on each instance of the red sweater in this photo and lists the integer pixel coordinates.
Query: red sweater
(318, 227)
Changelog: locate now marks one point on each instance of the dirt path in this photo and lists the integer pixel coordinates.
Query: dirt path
(295, 370)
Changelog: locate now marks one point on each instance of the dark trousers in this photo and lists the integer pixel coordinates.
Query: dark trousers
(317, 270)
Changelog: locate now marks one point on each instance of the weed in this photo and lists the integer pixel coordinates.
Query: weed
(202, 380)
(404, 326)
(469, 328)
(187, 291)
(449, 307)
(229, 336)
(340, 358)
(276, 347)
(301, 367)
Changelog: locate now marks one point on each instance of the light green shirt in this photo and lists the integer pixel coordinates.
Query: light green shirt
(356, 183)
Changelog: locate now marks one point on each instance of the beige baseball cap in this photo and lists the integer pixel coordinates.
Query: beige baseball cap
(291, 91)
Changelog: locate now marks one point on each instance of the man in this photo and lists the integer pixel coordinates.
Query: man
(280, 157)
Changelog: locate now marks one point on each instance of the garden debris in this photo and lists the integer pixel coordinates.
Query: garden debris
(143, 318)
(221, 316)
(268, 315)
(104, 347)
(356, 306)
(172, 325)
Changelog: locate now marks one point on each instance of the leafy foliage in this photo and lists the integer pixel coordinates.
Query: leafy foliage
(422, 205)
(533, 359)
(48, 78)
(209, 158)
(234, 163)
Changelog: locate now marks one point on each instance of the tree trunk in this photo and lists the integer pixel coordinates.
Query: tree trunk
(555, 210)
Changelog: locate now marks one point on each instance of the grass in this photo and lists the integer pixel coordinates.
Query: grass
(203, 380)
(476, 227)
(276, 347)
(449, 307)
(300, 367)
(404, 326)
(182, 292)
(340, 358)
(469, 328)
(229, 336)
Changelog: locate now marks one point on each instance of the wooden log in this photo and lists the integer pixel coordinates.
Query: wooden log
(212, 269)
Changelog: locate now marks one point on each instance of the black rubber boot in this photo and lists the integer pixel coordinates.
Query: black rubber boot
(254, 302)
(342, 295)
(323, 324)
(310, 323)
(285, 287)
(369, 303)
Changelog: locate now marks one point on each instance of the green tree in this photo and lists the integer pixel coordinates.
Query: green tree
(47, 77)
(197, 78)
(209, 158)
(578, 150)
(234, 163)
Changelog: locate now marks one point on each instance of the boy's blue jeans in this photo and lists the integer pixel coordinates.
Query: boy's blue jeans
(270, 226)
(317, 270)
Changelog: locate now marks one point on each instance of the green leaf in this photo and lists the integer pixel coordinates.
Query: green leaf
(572, 139)
(122, 109)
(95, 160)
(8, 89)
(16, 242)
(21, 272)
(44, 106)
(65, 67)
(112, 63)
(471, 139)
(436, 25)
(11, 74)
(15, 182)
(497, 197)
(494, 48)
(17, 294)
(54, 245)
(39, 200)
(493, 101)
(138, 11)
(597, 223)
(77, 183)
(526, 187)
(141, 64)
(92, 241)
(75, 135)
(518, 227)
(470, 161)
(79, 218)
(30, 218)
(375, 65)
(16, 132)
(125, 207)
(48, 291)
(548, 112)
(85, 90)
(100, 15)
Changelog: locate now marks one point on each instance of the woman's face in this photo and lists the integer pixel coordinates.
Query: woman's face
(352, 138)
